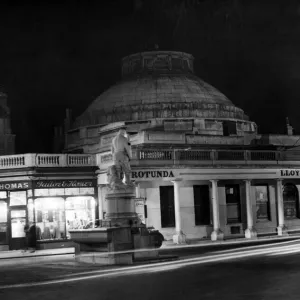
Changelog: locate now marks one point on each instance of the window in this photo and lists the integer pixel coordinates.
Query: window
(202, 204)
(262, 203)
(18, 221)
(80, 212)
(167, 206)
(50, 218)
(229, 128)
(55, 216)
(290, 201)
(18, 198)
(233, 203)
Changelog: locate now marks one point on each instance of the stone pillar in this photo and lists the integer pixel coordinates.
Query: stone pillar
(137, 190)
(179, 237)
(281, 229)
(250, 232)
(100, 201)
(217, 234)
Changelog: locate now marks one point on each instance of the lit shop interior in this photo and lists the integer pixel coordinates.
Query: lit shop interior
(55, 212)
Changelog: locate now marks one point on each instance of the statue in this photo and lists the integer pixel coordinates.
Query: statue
(121, 151)
(114, 181)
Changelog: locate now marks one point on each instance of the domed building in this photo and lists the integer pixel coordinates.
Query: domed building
(201, 168)
(160, 93)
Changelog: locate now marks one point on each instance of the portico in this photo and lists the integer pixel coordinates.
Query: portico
(238, 202)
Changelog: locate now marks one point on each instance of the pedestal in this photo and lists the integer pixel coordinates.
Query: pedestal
(121, 208)
(250, 233)
(179, 238)
(216, 235)
(282, 230)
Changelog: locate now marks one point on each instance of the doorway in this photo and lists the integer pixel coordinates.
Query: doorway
(3, 223)
(17, 219)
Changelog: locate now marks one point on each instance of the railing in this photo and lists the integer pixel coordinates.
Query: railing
(46, 160)
(152, 157)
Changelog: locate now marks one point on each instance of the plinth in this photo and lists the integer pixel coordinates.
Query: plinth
(121, 207)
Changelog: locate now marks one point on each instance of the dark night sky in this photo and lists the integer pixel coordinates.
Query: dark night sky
(54, 56)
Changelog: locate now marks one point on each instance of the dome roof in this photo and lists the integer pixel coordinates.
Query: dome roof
(158, 84)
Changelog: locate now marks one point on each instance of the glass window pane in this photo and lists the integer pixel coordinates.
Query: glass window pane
(18, 221)
(86, 191)
(262, 202)
(17, 198)
(72, 191)
(3, 195)
(41, 192)
(80, 212)
(29, 193)
(50, 218)
(56, 192)
(18, 214)
(17, 227)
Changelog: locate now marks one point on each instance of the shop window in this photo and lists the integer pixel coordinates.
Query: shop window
(233, 203)
(202, 204)
(290, 201)
(80, 212)
(167, 206)
(50, 218)
(262, 203)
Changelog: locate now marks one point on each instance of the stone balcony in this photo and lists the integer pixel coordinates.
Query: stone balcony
(176, 157)
(31, 160)
(156, 158)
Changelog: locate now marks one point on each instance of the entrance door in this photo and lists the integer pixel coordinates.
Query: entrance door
(17, 219)
(167, 209)
(3, 223)
(233, 203)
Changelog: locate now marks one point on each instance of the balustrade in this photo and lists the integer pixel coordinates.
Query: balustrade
(175, 156)
(156, 155)
(263, 155)
(230, 155)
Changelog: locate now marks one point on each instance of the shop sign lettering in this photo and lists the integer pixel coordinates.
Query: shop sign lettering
(151, 174)
(46, 184)
(21, 185)
(290, 173)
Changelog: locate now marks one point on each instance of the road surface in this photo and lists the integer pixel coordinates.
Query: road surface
(253, 272)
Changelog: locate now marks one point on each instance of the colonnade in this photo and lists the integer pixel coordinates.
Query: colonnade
(217, 234)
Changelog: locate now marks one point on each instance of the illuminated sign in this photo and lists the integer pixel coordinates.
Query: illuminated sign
(289, 173)
(20, 185)
(151, 174)
(72, 183)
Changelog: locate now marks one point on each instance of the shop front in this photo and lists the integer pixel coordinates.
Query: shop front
(63, 205)
(55, 206)
(15, 212)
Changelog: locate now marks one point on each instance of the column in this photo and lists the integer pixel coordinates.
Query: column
(250, 232)
(281, 229)
(179, 237)
(100, 201)
(137, 190)
(217, 234)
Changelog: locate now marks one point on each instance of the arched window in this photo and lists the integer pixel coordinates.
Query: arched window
(290, 201)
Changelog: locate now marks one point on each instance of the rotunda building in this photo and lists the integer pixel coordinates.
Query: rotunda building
(201, 169)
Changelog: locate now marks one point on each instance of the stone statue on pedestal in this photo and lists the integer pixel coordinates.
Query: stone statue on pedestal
(121, 152)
